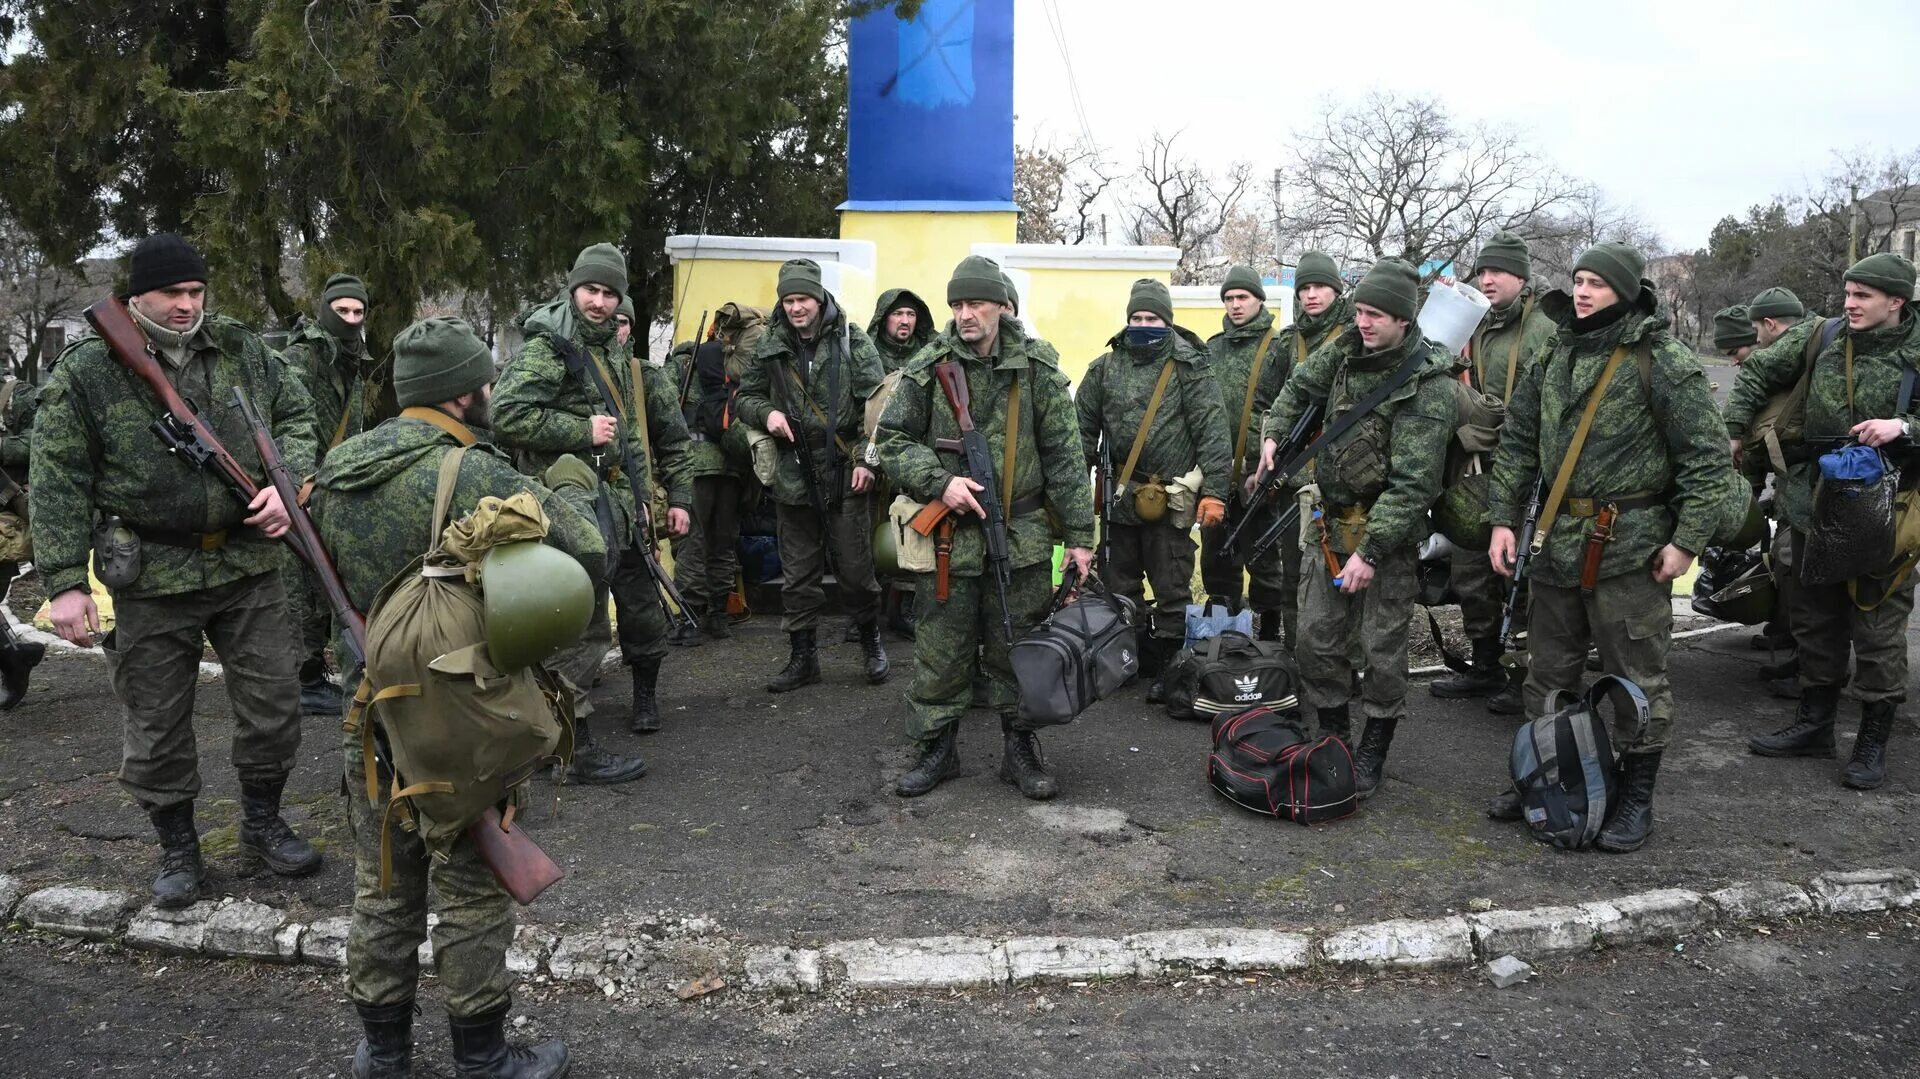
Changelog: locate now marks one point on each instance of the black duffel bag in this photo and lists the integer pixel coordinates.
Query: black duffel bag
(1084, 650)
(1227, 673)
(1262, 760)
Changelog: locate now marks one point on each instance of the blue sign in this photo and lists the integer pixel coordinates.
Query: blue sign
(930, 108)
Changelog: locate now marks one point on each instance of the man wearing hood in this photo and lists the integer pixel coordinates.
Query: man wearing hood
(1654, 463)
(1250, 372)
(373, 505)
(330, 358)
(1511, 337)
(1376, 483)
(901, 324)
(1153, 400)
(1854, 392)
(813, 371)
(543, 410)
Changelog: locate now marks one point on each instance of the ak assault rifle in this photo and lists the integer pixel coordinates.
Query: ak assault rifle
(1109, 491)
(1295, 450)
(1523, 553)
(522, 868)
(980, 470)
(824, 493)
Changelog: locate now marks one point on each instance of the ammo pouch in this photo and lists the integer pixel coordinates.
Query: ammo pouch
(116, 553)
(914, 551)
(1150, 500)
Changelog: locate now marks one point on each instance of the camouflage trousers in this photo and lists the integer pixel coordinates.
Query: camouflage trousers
(1329, 618)
(803, 562)
(383, 941)
(308, 612)
(707, 558)
(947, 637)
(1629, 621)
(1483, 595)
(1272, 581)
(1160, 555)
(641, 621)
(1828, 629)
(153, 658)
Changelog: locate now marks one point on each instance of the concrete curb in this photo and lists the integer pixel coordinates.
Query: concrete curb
(656, 947)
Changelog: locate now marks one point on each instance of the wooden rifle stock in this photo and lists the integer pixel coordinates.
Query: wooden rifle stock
(518, 863)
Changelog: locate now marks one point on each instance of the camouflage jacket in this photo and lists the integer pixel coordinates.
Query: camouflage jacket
(1231, 353)
(373, 503)
(1389, 463)
(1297, 340)
(1509, 338)
(1768, 371)
(704, 456)
(1665, 439)
(16, 429)
(94, 455)
(541, 410)
(1047, 460)
(1189, 429)
(1880, 357)
(343, 386)
(778, 356)
(893, 356)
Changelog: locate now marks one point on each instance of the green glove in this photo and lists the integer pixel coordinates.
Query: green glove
(571, 471)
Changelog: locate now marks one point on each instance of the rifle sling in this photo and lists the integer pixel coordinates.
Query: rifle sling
(461, 432)
(825, 420)
(1246, 407)
(1513, 353)
(1355, 414)
(1564, 476)
(1146, 422)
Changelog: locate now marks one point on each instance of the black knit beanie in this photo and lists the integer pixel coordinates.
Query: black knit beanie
(161, 260)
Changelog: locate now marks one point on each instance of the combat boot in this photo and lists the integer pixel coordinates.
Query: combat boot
(1782, 679)
(1507, 805)
(265, 836)
(714, 623)
(1370, 760)
(1867, 769)
(1270, 623)
(875, 651)
(1160, 652)
(939, 759)
(480, 1051)
(1483, 677)
(319, 696)
(646, 704)
(1632, 820)
(386, 1050)
(182, 877)
(1811, 732)
(1022, 764)
(1511, 700)
(898, 612)
(685, 634)
(803, 664)
(596, 767)
(1335, 721)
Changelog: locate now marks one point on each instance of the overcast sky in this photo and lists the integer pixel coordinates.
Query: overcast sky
(1683, 110)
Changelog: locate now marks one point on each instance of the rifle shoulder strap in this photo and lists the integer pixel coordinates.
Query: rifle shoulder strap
(461, 432)
(443, 492)
(1012, 442)
(639, 377)
(1146, 422)
(805, 395)
(1246, 406)
(1355, 414)
(1564, 476)
(1520, 337)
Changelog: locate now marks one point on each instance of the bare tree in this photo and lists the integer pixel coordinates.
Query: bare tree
(1058, 192)
(1398, 176)
(1555, 238)
(1860, 206)
(33, 292)
(1177, 203)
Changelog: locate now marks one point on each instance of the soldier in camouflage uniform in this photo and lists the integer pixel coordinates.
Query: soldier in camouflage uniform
(1854, 392)
(1248, 340)
(1189, 429)
(992, 352)
(206, 565)
(541, 411)
(1656, 454)
(707, 558)
(1376, 484)
(373, 503)
(815, 369)
(18, 657)
(330, 358)
(1777, 313)
(1512, 337)
(1733, 333)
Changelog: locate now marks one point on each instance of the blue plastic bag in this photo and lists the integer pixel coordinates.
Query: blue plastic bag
(1860, 463)
(1210, 620)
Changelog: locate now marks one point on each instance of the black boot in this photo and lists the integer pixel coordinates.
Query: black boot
(980, 687)
(1159, 652)
(319, 696)
(1335, 721)
(1483, 677)
(17, 660)
(182, 877)
(1370, 760)
(1269, 625)
(1022, 765)
(1867, 769)
(714, 622)
(1507, 805)
(266, 836)
(1632, 820)
(803, 664)
(875, 651)
(939, 759)
(685, 634)
(1811, 732)
(386, 1050)
(596, 767)
(480, 1051)
(1511, 701)
(646, 704)
(899, 612)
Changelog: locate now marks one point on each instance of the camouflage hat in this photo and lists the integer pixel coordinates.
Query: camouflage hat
(1886, 271)
(1733, 328)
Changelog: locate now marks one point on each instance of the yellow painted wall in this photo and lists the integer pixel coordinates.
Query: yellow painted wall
(1203, 319)
(704, 284)
(1079, 311)
(918, 250)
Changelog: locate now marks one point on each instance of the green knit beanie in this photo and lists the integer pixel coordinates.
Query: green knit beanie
(1317, 268)
(1393, 286)
(801, 277)
(342, 286)
(977, 278)
(1152, 297)
(1733, 328)
(1886, 271)
(438, 359)
(1506, 251)
(601, 264)
(1775, 302)
(1013, 293)
(1243, 277)
(1619, 265)
(625, 308)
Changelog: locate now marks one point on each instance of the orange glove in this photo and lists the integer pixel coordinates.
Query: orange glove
(1211, 512)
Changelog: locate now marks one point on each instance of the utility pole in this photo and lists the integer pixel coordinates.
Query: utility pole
(1853, 223)
(1279, 250)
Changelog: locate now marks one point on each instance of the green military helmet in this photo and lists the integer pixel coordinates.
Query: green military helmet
(1460, 514)
(886, 553)
(1747, 599)
(537, 601)
(1752, 529)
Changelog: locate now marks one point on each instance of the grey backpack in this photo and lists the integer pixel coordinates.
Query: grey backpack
(1564, 766)
(1083, 651)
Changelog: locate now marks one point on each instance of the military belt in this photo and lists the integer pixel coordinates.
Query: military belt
(195, 541)
(1591, 507)
(1029, 504)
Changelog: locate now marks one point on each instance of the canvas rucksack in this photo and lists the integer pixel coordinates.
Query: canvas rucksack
(1782, 420)
(1563, 763)
(738, 329)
